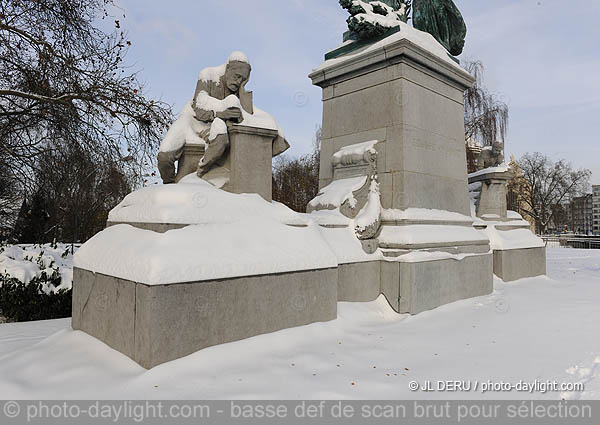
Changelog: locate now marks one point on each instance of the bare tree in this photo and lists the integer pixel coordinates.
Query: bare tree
(63, 82)
(10, 199)
(545, 184)
(486, 116)
(296, 180)
(73, 197)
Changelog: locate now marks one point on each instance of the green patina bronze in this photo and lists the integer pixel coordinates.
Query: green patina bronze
(443, 20)
(440, 18)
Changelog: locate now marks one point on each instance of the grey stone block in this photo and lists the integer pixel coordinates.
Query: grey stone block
(251, 153)
(415, 101)
(416, 287)
(156, 324)
(188, 163)
(104, 307)
(515, 264)
(359, 282)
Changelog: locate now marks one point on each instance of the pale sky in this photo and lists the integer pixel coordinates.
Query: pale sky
(541, 56)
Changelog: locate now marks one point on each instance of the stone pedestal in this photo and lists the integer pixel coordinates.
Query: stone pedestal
(251, 158)
(153, 324)
(246, 167)
(188, 163)
(491, 203)
(411, 101)
(518, 253)
(408, 102)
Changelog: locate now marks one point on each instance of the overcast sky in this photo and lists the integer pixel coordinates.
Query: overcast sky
(541, 56)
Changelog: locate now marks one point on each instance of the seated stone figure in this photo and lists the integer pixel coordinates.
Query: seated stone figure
(491, 156)
(220, 100)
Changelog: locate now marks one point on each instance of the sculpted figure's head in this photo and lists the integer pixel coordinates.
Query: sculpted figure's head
(237, 71)
(498, 148)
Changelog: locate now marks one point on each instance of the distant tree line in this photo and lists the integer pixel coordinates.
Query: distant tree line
(296, 179)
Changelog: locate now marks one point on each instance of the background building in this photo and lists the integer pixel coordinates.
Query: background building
(582, 215)
(596, 210)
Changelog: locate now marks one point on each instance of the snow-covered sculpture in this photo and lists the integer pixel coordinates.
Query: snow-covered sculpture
(220, 100)
(491, 156)
(370, 18)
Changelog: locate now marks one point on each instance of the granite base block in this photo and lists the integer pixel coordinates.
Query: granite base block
(159, 323)
(515, 264)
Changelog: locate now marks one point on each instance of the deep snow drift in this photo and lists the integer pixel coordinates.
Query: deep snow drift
(540, 328)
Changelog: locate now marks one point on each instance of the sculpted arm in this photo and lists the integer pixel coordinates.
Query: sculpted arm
(201, 102)
(207, 108)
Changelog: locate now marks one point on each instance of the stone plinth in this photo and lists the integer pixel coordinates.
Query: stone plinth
(153, 324)
(491, 203)
(188, 163)
(246, 168)
(251, 156)
(411, 101)
(521, 263)
(414, 287)
(518, 253)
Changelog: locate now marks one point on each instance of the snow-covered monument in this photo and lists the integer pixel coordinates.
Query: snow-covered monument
(208, 258)
(518, 253)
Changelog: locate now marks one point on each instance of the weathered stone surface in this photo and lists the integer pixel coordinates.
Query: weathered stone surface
(419, 286)
(251, 160)
(104, 307)
(156, 324)
(188, 163)
(492, 200)
(412, 102)
(515, 264)
(359, 282)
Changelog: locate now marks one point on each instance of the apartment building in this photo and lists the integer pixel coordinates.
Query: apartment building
(596, 210)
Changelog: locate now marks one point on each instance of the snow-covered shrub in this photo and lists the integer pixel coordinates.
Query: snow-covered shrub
(35, 281)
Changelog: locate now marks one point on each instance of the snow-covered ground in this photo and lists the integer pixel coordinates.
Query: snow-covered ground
(535, 329)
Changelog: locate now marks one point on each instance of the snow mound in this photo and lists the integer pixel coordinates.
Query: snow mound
(230, 236)
(338, 192)
(249, 247)
(511, 239)
(195, 201)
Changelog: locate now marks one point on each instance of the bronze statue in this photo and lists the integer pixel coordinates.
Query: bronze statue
(443, 20)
